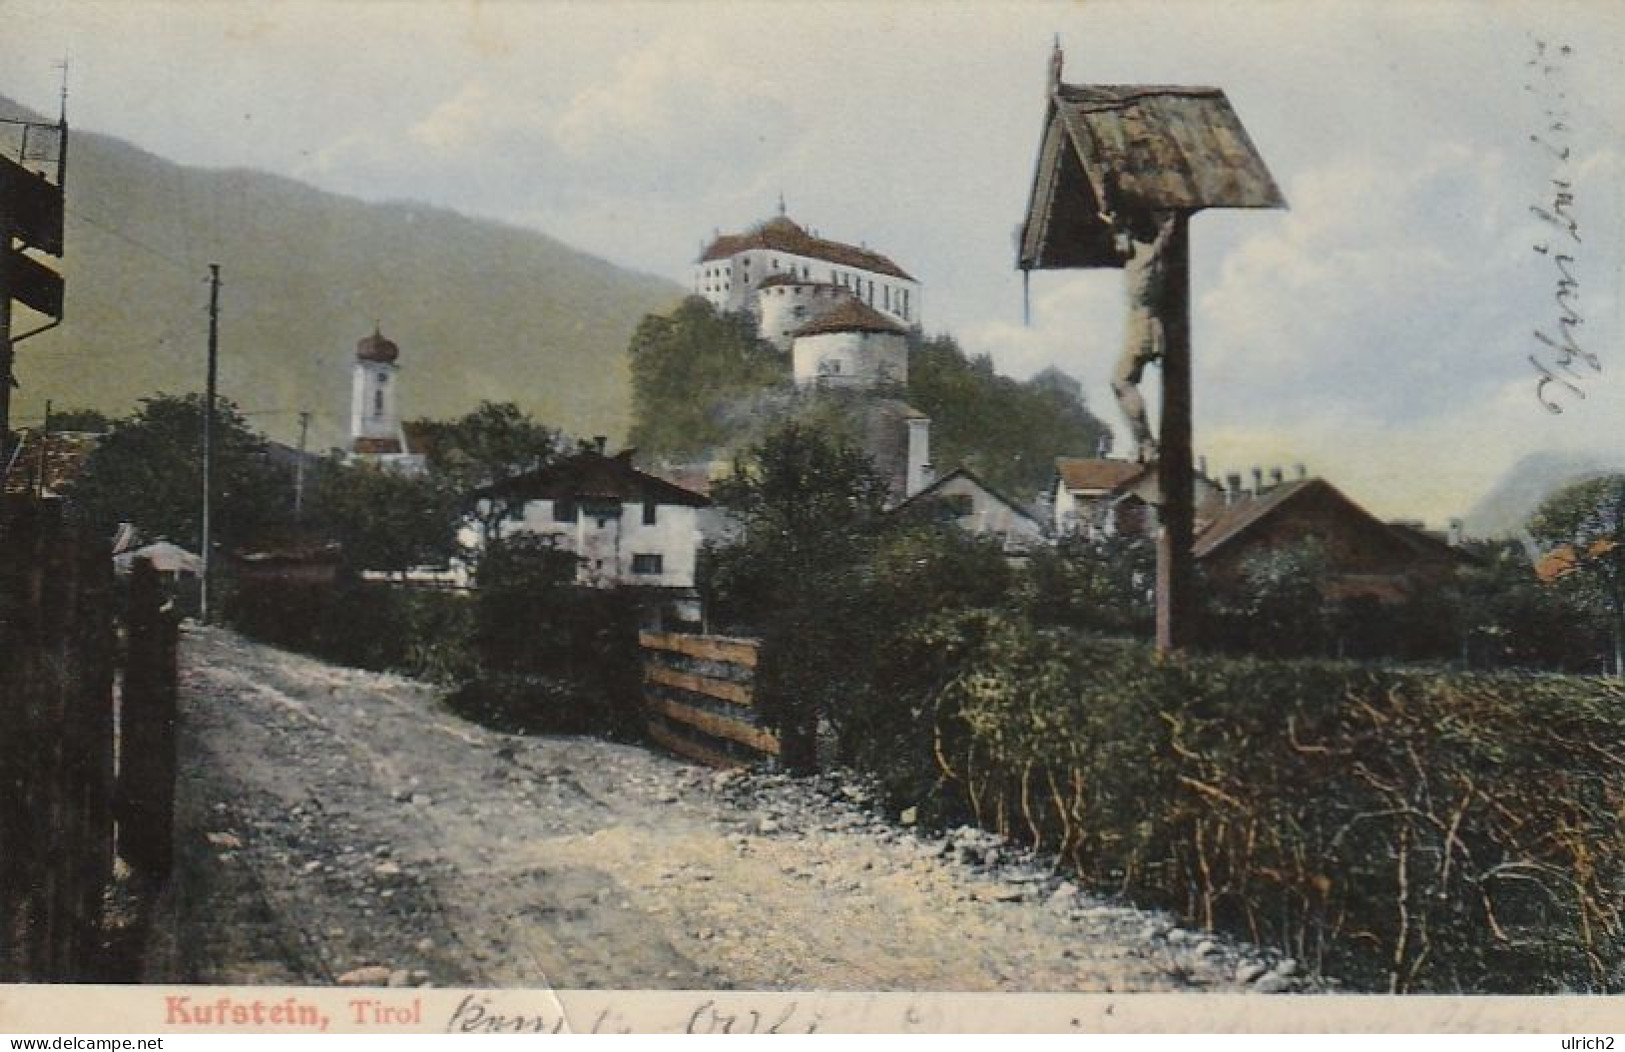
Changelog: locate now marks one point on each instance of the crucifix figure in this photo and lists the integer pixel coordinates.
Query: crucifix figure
(1141, 240)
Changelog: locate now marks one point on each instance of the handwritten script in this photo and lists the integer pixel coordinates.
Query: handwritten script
(1558, 358)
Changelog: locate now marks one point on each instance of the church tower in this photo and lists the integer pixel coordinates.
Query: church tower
(376, 433)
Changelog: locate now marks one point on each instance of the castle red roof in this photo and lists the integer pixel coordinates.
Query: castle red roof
(781, 234)
(850, 315)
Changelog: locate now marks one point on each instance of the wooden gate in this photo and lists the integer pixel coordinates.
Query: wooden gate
(699, 692)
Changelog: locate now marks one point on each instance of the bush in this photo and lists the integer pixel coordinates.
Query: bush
(380, 626)
(1404, 830)
(542, 645)
(527, 657)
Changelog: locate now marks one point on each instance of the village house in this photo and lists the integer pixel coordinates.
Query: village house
(1366, 558)
(1100, 497)
(964, 500)
(626, 528)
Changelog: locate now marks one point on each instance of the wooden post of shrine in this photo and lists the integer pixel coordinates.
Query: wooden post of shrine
(1176, 479)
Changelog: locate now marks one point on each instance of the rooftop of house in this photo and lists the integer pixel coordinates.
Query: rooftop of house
(590, 475)
(782, 234)
(1097, 474)
(968, 475)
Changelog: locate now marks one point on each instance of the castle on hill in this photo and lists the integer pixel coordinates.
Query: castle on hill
(787, 277)
(843, 314)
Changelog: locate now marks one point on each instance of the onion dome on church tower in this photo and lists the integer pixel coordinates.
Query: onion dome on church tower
(376, 348)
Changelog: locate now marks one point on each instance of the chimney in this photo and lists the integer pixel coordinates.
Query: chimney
(1232, 488)
(919, 455)
(1258, 481)
(1457, 533)
(599, 443)
(1277, 476)
(1302, 471)
(1201, 467)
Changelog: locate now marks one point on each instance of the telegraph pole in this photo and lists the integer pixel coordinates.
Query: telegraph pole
(7, 380)
(208, 436)
(44, 452)
(299, 470)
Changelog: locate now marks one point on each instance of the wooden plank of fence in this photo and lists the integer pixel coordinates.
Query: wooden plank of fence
(147, 774)
(721, 689)
(56, 724)
(693, 750)
(710, 648)
(717, 725)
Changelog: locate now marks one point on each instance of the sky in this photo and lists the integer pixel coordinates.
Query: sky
(1378, 331)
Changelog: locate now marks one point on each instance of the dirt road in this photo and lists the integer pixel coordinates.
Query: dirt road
(332, 819)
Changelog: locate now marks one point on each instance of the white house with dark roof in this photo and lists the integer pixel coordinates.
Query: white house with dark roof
(963, 499)
(792, 261)
(625, 527)
(1086, 491)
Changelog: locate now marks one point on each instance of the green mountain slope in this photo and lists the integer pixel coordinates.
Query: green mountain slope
(480, 310)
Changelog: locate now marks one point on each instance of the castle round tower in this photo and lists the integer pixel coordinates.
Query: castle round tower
(851, 346)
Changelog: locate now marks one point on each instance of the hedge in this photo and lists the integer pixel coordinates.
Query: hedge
(548, 661)
(1401, 829)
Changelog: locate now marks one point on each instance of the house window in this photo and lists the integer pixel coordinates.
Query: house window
(647, 564)
(564, 511)
(650, 511)
(515, 512)
(378, 402)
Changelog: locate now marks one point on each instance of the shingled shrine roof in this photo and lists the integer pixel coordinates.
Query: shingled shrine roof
(1134, 147)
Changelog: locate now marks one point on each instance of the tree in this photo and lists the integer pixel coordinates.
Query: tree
(383, 520)
(1504, 616)
(691, 370)
(1007, 431)
(1581, 529)
(497, 441)
(809, 508)
(148, 470)
(80, 420)
(1105, 585)
(1278, 603)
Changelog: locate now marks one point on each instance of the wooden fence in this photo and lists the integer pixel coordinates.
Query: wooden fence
(60, 789)
(699, 692)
